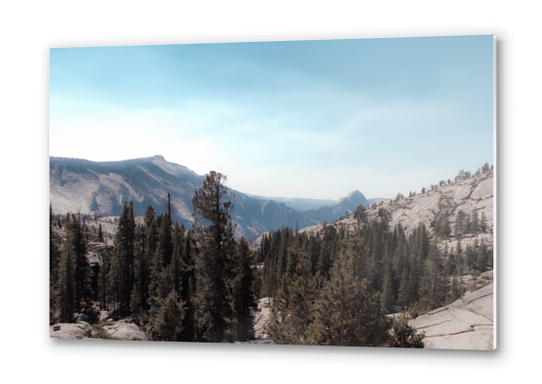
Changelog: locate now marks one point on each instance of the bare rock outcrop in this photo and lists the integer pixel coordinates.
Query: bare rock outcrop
(70, 331)
(464, 324)
(262, 317)
(123, 330)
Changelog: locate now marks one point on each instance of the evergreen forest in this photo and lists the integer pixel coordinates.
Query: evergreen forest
(201, 284)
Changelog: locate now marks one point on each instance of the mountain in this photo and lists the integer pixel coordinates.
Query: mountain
(468, 195)
(347, 204)
(84, 186)
(352, 200)
(300, 204)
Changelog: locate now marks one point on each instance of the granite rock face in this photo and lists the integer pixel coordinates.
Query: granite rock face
(464, 324)
(473, 194)
(71, 331)
(261, 318)
(125, 331)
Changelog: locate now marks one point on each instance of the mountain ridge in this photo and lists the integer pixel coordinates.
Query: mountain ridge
(468, 195)
(86, 186)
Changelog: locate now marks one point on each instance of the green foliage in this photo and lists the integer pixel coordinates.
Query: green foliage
(54, 260)
(122, 264)
(415, 310)
(433, 285)
(74, 272)
(456, 289)
(221, 268)
(66, 283)
(403, 335)
(100, 233)
(359, 213)
(135, 302)
(483, 258)
(327, 250)
(387, 294)
(292, 311)
(241, 292)
(441, 225)
(344, 311)
(169, 317)
(474, 226)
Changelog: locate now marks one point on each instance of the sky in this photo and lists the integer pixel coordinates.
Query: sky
(313, 119)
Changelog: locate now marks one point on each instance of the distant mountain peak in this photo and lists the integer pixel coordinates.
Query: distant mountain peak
(353, 199)
(355, 193)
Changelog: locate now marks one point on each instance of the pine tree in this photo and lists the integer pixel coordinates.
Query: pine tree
(325, 260)
(135, 302)
(168, 321)
(456, 289)
(405, 298)
(403, 335)
(141, 264)
(212, 203)
(387, 293)
(122, 265)
(482, 258)
(292, 309)
(474, 222)
(466, 225)
(164, 243)
(432, 286)
(66, 278)
(459, 224)
(159, 286)
(188, 283)
(115, 279)
(100, 233)
(346, 311)
(54, 261)
(401, 252)
(459, 258)
(150, 250)
(104, 282)
(470, 256)
(77, 241)
(241, 292)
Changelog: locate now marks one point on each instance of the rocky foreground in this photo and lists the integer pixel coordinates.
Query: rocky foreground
(111, 328)
(465, 324)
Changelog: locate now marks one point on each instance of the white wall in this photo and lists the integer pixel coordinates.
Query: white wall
(29, 29)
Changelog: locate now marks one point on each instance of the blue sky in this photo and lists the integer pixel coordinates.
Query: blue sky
(310, 119)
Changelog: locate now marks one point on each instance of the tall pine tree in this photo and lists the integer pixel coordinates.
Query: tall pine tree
(213, 267)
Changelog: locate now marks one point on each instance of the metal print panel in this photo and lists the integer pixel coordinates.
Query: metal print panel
(322, 193)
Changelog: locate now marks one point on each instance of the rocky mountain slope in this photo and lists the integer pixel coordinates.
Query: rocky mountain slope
(472, 194)
(82, 186)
